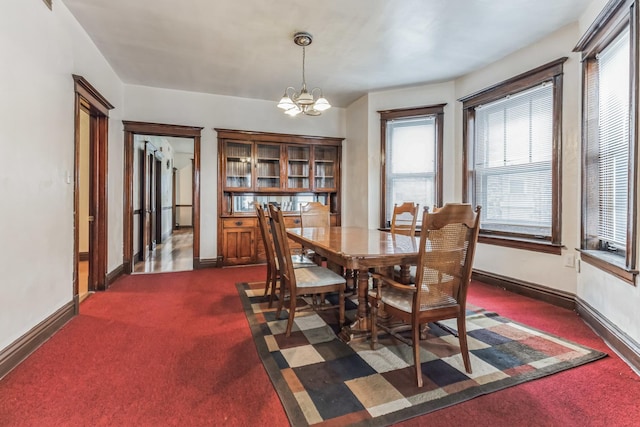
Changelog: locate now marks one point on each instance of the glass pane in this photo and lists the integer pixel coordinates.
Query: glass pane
(412, 147)
(513, 152)
(417, 189)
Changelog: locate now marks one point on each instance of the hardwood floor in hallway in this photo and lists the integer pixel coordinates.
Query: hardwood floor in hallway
(174, 254)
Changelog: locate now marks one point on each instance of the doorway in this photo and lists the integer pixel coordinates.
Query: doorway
(90, 190)
(152, 207)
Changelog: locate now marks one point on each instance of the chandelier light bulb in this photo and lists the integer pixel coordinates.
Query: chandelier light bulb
(294, 102)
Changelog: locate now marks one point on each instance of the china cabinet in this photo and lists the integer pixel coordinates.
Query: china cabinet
(283, 169)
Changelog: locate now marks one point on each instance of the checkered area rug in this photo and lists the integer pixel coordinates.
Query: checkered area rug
(321, 379)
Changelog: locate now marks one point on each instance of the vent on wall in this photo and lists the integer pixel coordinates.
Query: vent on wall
(49, 3)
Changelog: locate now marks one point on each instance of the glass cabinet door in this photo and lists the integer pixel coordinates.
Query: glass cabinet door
(238, 170)
(267, 166)
(325, 161)
(298, 168)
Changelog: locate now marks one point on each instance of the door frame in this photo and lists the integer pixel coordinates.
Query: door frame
(89, 99)
(132, 128)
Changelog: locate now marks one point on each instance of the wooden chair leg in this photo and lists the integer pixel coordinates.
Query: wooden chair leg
(462, 337)
(416, 352)
(341, 306)
(280, 300)
(292, 313)
(374, 324)
(274, 280)
(268, 281)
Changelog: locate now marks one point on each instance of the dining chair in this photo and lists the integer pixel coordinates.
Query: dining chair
(404, 218)
(302, 281)
(403, 221)
(314, 214)
(273, 270)
(447, 245)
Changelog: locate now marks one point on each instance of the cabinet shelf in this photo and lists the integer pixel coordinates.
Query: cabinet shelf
(262, 167)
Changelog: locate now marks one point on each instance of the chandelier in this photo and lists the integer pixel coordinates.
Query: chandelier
(294, 103)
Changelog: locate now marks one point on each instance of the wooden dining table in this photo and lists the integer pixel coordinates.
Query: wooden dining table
(359, 249)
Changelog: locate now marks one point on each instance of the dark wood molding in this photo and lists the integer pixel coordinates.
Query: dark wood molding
(132, 128)
(207, 263)
(407, 113)
(515, 84)
(615, 17)
(275, 137)
(532, 290)
(604, 27)
(88, 99)
(622, 273)
(83, 256)
(49, 4)
(87, 91)
(115, 274)
(528, 245)
(553, 72)
(183, 206)
(436, 110)
(624, 345)
(144, 128)
(20, 349)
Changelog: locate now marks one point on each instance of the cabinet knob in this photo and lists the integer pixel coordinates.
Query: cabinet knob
(238, 223)
(296, 221)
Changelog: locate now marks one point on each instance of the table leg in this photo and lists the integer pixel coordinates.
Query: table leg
(405, 274)
(360, 328)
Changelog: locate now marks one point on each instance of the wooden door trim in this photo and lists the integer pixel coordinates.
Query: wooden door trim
(132, 128)
(88, 98)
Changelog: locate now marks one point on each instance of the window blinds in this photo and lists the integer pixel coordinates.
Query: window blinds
(410, 162)
(512, 162)
(613, 141)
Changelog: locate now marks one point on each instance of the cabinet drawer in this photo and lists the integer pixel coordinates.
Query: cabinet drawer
(292, 221)
(239, 222)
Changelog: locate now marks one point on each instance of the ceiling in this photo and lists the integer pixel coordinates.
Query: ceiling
(245, 47)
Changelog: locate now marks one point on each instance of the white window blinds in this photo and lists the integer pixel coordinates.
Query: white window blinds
(512, 162)
(613, 141)
(410, 162)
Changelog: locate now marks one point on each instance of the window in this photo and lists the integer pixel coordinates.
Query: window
(609, 143)
(512, 159)
(411, 158)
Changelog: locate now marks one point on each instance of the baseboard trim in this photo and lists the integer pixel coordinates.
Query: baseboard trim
(532, 290)
(199, 264)
(20, 349)
(624, 345)
(114, 274)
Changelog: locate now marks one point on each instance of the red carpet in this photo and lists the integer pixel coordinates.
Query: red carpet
(175, 349)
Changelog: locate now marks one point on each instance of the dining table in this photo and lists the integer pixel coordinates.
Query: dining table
(359, 249)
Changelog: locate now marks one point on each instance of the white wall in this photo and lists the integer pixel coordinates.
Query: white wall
(216, 111)
(355, 164)
(40, 50)
(616, 300)
(539, 268)
(363, 130)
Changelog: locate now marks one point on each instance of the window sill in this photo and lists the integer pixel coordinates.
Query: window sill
(612, 264)
(526, 244)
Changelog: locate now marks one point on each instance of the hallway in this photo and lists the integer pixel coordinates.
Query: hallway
(174, 254)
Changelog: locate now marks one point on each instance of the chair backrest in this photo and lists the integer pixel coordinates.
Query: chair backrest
(448, 240)
(404, 218)
(265, 232)
(314, 214)
(281, 245)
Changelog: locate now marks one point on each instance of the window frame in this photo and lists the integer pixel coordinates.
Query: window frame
(617, 16)
(437, 111)
(550, 72)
